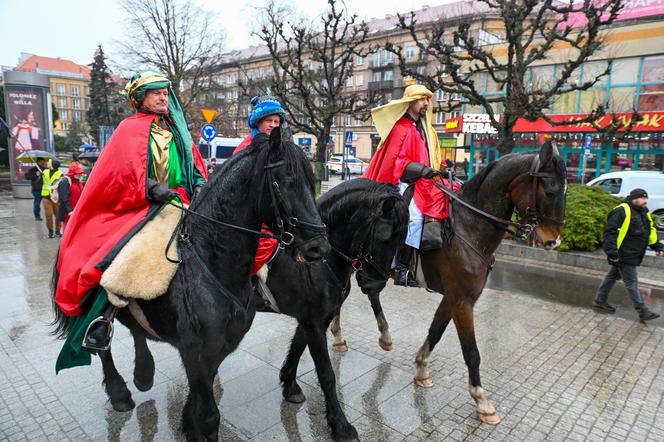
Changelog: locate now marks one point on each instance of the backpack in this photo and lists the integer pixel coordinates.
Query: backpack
(54, 194)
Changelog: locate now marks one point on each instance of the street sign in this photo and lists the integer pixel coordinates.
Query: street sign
(349, 139)
(587, 143)
(208, 114)
(208, 132)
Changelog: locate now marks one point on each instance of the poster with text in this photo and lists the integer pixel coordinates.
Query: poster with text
(25, 116)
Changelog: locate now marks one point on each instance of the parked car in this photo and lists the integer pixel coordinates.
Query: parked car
(622, 182)
(220, 148)
(354, 165)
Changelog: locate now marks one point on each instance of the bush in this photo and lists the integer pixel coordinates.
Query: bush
(585, 217)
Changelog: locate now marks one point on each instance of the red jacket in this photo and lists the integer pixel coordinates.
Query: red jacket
(113, 202)
(403, 145)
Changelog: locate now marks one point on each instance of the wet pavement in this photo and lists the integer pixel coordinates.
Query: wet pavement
(554, 370)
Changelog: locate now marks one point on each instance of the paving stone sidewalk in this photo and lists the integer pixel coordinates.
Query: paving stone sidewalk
(554, 371)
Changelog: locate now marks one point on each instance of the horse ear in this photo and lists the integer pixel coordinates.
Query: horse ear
(547, 152)
(387, 206)
(275, 139)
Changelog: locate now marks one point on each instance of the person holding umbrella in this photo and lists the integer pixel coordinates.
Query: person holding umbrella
(51, 208)
(34, 174)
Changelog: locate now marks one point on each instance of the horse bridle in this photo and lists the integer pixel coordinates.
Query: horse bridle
(529, 220)
(281, 213)
(363, 257)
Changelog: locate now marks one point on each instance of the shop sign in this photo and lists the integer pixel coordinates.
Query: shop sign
(649, 122)
(453, 125)
(478, 124)
(447, 143)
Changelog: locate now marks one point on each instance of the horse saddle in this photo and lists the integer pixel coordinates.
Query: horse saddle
(140, 270)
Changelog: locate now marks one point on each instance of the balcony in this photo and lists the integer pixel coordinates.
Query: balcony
(384, 85)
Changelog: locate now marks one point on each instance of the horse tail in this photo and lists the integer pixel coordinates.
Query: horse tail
(60, 320)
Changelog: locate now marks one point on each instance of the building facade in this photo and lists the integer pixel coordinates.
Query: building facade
(634, 50)
(69, 88)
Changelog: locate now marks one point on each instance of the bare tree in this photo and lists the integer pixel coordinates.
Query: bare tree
(528, 32)
(175, 37)
(310, 68)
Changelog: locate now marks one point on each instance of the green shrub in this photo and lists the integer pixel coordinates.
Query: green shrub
(585, 217)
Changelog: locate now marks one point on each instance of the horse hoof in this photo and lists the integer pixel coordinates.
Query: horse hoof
(424, 382)
(296, 398)
(124, 405)
(490, 419)
(340, 347)
(143, 386)
(346, 432)
(387, 346)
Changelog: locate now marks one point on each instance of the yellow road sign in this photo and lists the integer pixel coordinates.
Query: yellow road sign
(208, 114)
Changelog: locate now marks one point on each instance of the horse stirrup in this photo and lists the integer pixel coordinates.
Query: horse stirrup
(91, 343)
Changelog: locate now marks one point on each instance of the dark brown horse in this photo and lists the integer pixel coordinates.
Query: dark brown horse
(531, 185)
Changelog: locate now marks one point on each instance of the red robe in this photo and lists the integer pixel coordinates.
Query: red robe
(113, 202)
(402, 146)
(266, 246)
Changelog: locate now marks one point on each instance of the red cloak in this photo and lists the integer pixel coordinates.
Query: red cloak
(403, 145)
(113, 202)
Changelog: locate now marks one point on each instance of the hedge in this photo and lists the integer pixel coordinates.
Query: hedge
(585, 217)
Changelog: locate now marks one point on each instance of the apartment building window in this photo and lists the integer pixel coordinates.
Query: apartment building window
(77, 116)
(377, 76)
(358, 121)
(76, 102)
(422, 70)
(62, 90)
(359, 61)
(456, 96)
(359, 80)
(410, 52)
(440, 117)
(349, 81)
(455, 114)
(387, 75)
(441, 95)
(74, 91)
(348, 120)
(63, 125)
(62, 102)
(63, 115)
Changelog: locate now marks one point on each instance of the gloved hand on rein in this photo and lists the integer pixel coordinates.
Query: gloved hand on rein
(414, 171)
(159, 193)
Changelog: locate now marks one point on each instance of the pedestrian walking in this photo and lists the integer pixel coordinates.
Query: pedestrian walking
(34, 174)
(50, 178)
(629, 231)
(69, 191)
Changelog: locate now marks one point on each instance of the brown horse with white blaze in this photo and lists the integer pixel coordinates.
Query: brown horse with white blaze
(532, 185)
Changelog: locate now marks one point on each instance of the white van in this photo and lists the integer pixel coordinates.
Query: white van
(219, 148)
(622, 182)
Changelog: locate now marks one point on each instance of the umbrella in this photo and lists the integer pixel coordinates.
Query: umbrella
(87, 147)
(30, 156)
(92, 156)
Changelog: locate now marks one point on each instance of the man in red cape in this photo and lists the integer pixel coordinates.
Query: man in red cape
(406, 155)
(149, 160)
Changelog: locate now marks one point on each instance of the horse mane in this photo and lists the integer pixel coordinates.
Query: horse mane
(333, 205)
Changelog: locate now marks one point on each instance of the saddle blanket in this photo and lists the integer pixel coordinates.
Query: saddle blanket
(140, 270)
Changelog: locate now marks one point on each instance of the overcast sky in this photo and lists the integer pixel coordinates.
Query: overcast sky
(72, 29)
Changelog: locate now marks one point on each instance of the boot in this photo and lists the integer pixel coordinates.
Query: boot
(402, 274)
(50, 233)
(58, 234)
(99, 334)
(647, 315)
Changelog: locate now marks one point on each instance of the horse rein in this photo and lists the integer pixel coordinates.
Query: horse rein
(527, 223)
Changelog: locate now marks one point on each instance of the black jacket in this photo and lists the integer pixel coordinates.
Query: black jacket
(633, 247)
(65, 207)
(37, 181)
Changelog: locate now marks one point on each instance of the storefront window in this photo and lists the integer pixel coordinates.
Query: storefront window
(541, 77)
(591, 99)
(651, 97)
(593, 70)
(565, 103)
(653, 69)
(625, 71)
(622, 99)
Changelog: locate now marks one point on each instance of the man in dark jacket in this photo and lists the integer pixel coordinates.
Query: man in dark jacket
(629, 230)
(34, 174)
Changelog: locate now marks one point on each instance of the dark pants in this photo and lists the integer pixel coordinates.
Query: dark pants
(629, 276)
(36, 204)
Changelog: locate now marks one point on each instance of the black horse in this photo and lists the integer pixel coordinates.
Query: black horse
(531, 185)
(366, 222)
(209, 304)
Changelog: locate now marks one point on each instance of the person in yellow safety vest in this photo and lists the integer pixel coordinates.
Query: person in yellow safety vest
(629, 231)
(51, 208)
